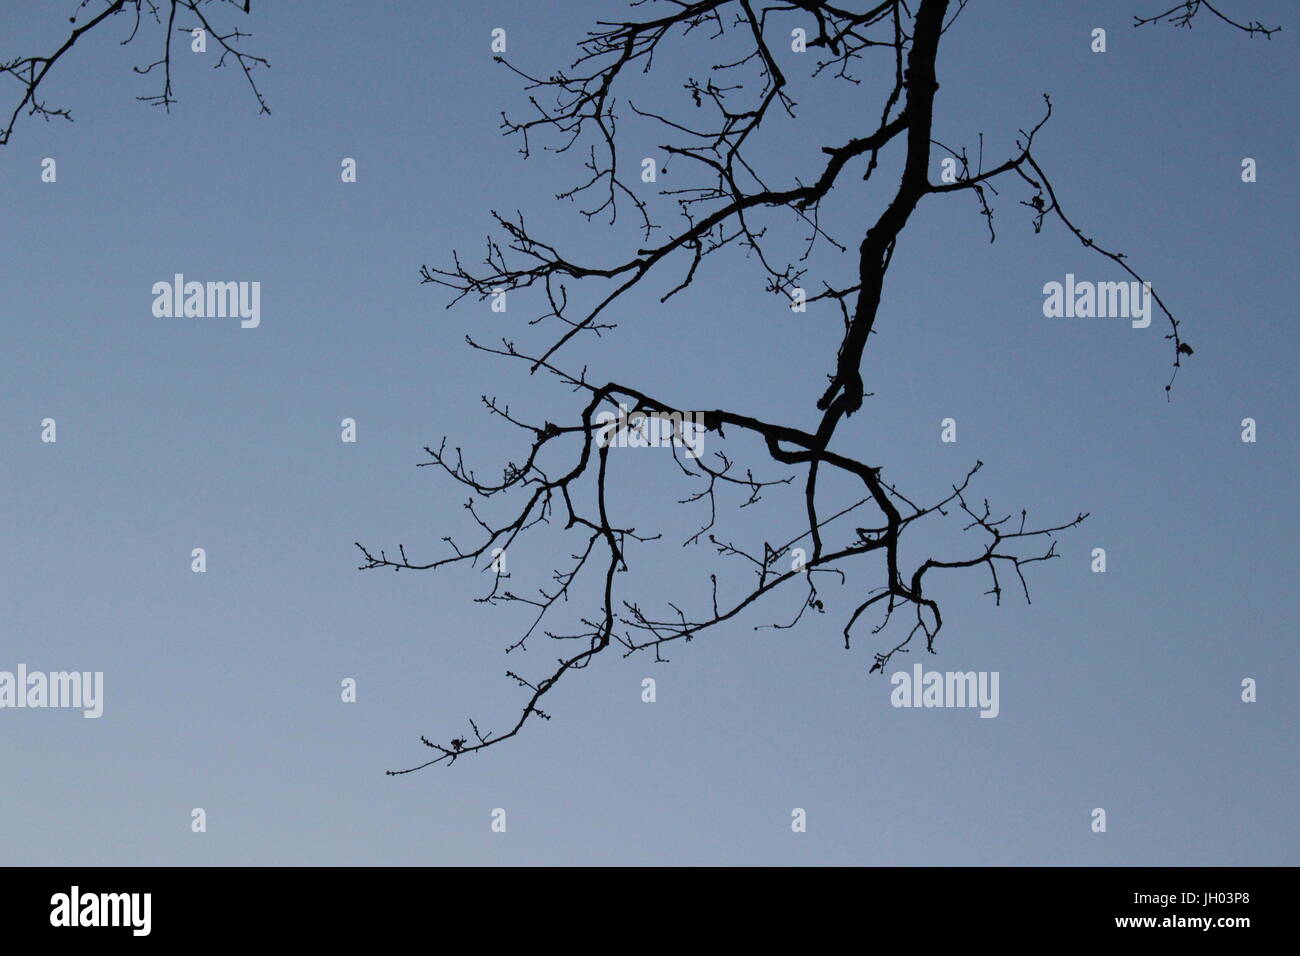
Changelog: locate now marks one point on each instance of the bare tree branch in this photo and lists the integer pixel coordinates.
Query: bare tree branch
(31, 71)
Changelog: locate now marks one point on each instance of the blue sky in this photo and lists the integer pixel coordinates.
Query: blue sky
(1118, 690)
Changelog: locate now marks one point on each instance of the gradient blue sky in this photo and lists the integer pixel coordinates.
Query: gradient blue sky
(222, 690)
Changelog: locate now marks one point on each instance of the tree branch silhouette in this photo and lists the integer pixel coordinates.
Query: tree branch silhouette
(31, 71)
(731, 102)
(576, 107)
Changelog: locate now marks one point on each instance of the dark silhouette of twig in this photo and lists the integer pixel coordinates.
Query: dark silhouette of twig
(727, 106)
(31, 71)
